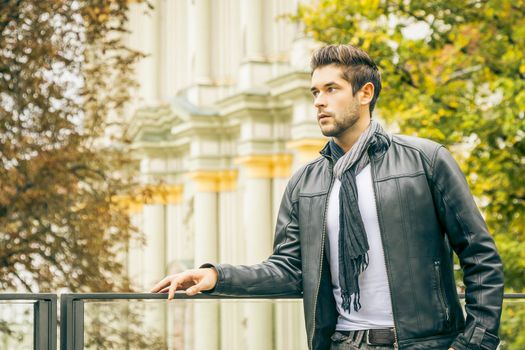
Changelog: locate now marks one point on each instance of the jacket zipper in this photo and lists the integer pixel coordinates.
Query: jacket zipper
(442, 300)
(396, 343)
(322, 252)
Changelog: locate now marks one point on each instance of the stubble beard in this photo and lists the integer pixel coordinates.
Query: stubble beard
(340, 125)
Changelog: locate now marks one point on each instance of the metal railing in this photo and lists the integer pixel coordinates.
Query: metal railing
(44, 317)
(72, 312)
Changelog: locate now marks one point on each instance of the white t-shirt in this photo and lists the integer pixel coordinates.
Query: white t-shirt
(376, 307)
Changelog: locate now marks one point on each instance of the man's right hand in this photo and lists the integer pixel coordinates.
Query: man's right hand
(192, 281)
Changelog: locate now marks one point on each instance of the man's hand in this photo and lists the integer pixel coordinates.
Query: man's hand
(192, 281)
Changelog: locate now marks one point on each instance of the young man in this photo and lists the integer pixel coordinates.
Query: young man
(366, 232)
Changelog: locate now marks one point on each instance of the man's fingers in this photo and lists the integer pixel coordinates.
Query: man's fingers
(193, 281)
(163, 283)
(202, 282)
(195, 289)
(172, 288)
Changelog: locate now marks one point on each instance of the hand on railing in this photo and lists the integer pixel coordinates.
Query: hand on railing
(192, 281)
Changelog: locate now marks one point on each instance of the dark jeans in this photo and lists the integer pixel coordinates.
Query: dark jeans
(354, 341)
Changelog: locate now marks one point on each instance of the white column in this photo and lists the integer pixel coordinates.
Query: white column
(289, 324)
(258, 230)
(178, 255)
(258, 216)
(254, 68)
(168, 49)
(206, 314)
(202, 29)
(252, 17)
(147, 40)
(206, 225)
(154, 252)
(232, 252)
(154, 259)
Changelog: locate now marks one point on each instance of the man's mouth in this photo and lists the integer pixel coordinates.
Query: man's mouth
(322, 116)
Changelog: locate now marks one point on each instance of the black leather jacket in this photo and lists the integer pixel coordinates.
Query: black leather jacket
(425, 211)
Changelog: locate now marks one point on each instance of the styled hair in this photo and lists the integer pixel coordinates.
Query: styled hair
(358, 67)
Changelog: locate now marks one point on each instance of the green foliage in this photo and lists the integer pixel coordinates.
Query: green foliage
(460, 81)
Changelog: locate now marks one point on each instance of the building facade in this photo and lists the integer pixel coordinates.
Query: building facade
(222, 119)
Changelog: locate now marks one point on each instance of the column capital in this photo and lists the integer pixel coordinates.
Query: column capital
(127, 202)
(266, 166)
(164, 194)
(308, 148)
(149, 194)
(214, 180)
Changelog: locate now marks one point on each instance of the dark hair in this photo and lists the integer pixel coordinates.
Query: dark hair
(359, 68)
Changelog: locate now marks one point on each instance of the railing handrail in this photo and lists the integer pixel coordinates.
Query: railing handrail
(29, 296)
(178, 295)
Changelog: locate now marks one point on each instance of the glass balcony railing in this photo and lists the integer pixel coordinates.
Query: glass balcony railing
(146, 321)
(28, 321)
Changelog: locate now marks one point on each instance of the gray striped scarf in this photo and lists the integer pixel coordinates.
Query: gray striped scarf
(353, 242)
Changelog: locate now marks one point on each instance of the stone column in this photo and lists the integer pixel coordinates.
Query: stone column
(202, 29)
(252, 19)
(254, 69)
(146, 37)
(259, 228)
(178, 255)
(154, 250)
(307, 139)
(202, 92)
(154, 263)
(307, 149)
(231, 251)
(206, 314)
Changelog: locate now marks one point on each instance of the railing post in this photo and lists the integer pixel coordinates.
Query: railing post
(71, 322)
(45, 324)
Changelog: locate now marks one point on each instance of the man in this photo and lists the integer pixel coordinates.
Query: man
(366, 233)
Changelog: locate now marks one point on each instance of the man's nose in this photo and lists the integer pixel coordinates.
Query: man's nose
(319, 101)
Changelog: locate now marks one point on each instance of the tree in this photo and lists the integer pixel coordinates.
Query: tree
(65, 76)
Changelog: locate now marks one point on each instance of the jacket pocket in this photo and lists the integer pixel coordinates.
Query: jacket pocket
(441, 292)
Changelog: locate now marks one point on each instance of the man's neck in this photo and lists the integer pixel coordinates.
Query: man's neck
(350, 136)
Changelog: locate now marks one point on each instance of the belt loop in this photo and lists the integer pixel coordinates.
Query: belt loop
(359, 337)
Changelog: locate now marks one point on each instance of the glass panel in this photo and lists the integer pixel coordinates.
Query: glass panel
(227, 324)
(16, 325)
(194, 324)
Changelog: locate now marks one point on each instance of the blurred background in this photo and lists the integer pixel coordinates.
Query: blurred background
(142, 138)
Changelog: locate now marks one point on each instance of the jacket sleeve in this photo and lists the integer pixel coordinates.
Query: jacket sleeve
(479, 259)
(281, 272)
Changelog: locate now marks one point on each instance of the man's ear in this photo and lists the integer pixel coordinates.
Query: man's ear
(366, 94)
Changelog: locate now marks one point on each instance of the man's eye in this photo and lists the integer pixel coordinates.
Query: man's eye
(315, 93)
(331, 89)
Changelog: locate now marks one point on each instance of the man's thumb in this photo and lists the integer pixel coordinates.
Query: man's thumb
(195, 289)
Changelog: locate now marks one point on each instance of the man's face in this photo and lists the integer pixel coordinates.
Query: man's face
(337, 107)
